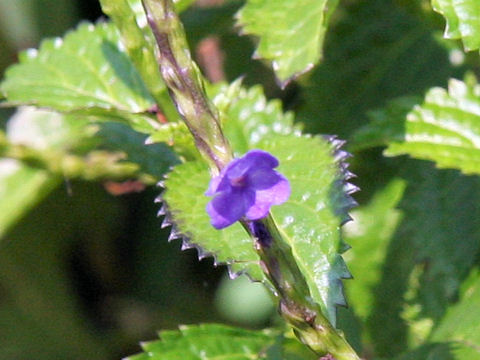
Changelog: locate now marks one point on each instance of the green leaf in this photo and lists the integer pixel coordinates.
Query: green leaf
(444, 129)
(310, 219)
(184, 196)
(212, 341)
(248, 118)
(312, 216)
(152, 159)
(437, 351)
(369, 234)
(386, 124)
(291, 35)
(48, 130)
(130, 19)
(178, 137)
(463, 20)
(181, 5)
(461, 323)
(429, 256)
(208, 342)
(365, 67)
(86, 72)
(21, 187)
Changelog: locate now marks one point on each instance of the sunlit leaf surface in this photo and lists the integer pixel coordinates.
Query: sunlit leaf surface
(463, 20)
(291, 35)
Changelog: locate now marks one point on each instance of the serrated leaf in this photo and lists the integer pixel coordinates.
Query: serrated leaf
(310, 219)
(312, 216)
(369, 234)
(386, 124)
(445, 128)
(463, 20)
(248, 118)
(178, 137)
(85, 72)
(364, 67)
(213, 341)
(184, 195)
(207, 342)
(291, 35)
(43, 129)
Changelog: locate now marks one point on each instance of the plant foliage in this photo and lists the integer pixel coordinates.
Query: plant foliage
(99, 105)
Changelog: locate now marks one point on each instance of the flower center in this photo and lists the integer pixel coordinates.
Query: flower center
(239, 181)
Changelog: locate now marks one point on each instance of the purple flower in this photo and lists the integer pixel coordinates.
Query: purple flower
(248, 187)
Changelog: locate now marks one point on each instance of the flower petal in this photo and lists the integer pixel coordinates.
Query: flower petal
(264, 199)
(212, 187)
(261, 159)
(264, 178)
(228, 207)
(254, 159)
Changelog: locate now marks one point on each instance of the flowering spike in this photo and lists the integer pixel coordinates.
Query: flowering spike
(185, 83)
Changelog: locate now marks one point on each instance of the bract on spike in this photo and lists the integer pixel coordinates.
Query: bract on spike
(161, 184)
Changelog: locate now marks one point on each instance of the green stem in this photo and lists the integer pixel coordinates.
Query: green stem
(139, 45)
(296, 305)
(95, 165)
